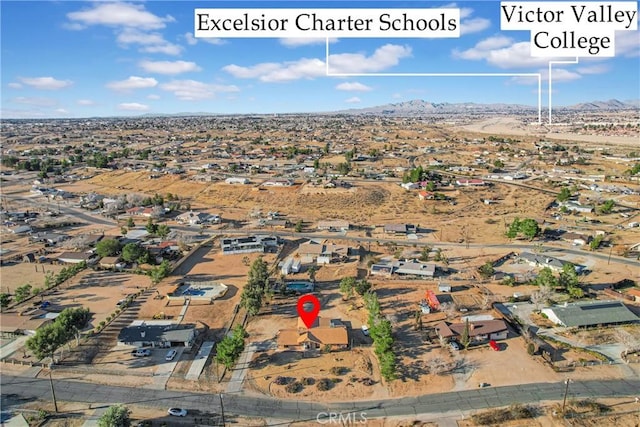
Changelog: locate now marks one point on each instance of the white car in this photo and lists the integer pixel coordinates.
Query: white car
(170, 355)
(365, 330)
(177, 412)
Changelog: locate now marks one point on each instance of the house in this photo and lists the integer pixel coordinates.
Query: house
(193, 218)
(75, 257)
(426, 195)
(242, 245)
(404, 268)
(237, 180)
(278, 183)
(399, 228)
(158, 334)
(635, 294)
(323, 333)
(470, 182)
(279, 224)
(111, 262)
(576, 207)
(576, 238)
(444, 288)
(323, 253)
(334, 225)
(410, 185)
(144, 211)
(536, 260)
(15, 324)
(479, 331)
(590, 313)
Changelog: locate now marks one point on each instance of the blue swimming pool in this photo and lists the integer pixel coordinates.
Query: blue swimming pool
(300, 286)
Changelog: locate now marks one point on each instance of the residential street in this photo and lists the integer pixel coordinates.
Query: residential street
(19, 390)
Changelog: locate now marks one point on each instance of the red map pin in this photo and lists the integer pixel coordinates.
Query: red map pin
(308, 316)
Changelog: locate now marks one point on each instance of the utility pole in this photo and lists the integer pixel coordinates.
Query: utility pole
(566, 391)
(53, 393)
(222, 411)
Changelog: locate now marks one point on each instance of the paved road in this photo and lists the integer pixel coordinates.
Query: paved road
(16, 390)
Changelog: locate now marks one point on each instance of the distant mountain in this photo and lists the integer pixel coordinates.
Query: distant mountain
(422, 107)
(612, 104)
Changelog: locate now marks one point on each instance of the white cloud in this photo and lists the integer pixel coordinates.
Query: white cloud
(384, 57)
(397, 96)
(118, 15)
(469, 25)
(474, 25)
(133, 82)
(22, 114)
(593, 69)
(309, 68)
(14, 85)
(132, 106)
(191, 40)
(35, 101)
(628, 43)
(192, 90)
(153, 96)
(353, 87)
(45, 83)
(559, 75)
(152, 42)
(85, 102)
(504, 53)
(61, 111)
(169, 67)
(295, 42)
(353, 100)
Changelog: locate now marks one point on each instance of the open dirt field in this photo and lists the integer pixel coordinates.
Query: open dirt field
(24, 273)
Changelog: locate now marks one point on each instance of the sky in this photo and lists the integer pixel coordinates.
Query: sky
(92, 59)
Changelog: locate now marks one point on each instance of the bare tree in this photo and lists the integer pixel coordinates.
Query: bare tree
(541, 296)
(448, 308)
(629, 341)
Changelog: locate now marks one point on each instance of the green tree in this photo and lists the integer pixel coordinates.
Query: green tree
(115, 416)
(564, 195)
(347, 285)
(108, 247)
(362, 286)
(131, 223)
(49, 279)
(163, 231)
(465, 338)
(424, 255)
(568, 276)
(299, 226)
(546, 279)
(22, 292)
(47, 340)
(131, 252)
(486, 270)
(229, 349)
(159, 272)
(312, 273)
(388, 367)
(151, 227)
(529, 228)
(607, 206)
(5, 299)
(255, 289)
(498, 163)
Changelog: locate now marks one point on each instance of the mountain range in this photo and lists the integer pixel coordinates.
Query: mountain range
(420, 107)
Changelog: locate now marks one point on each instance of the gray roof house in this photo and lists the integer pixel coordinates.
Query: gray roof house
(590, 313)
(539, 260)
(404, 268)
(157, 334)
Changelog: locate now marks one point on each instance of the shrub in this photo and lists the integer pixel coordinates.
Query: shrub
(308, 381)
(294, 387)
(501, 416)
(531, 349)
(109, 318)
(102, 323)
(324, 384)
(338, 370)
(282, 380)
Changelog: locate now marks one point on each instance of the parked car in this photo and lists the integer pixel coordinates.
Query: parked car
(170, 355)
(141, 352)
(483, 385)
(177, 412)
(454, 345)
(365, 330)
(494, 345)
(44, 305)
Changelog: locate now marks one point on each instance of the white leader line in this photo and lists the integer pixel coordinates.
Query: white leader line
(575, 61)
(538, 75)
